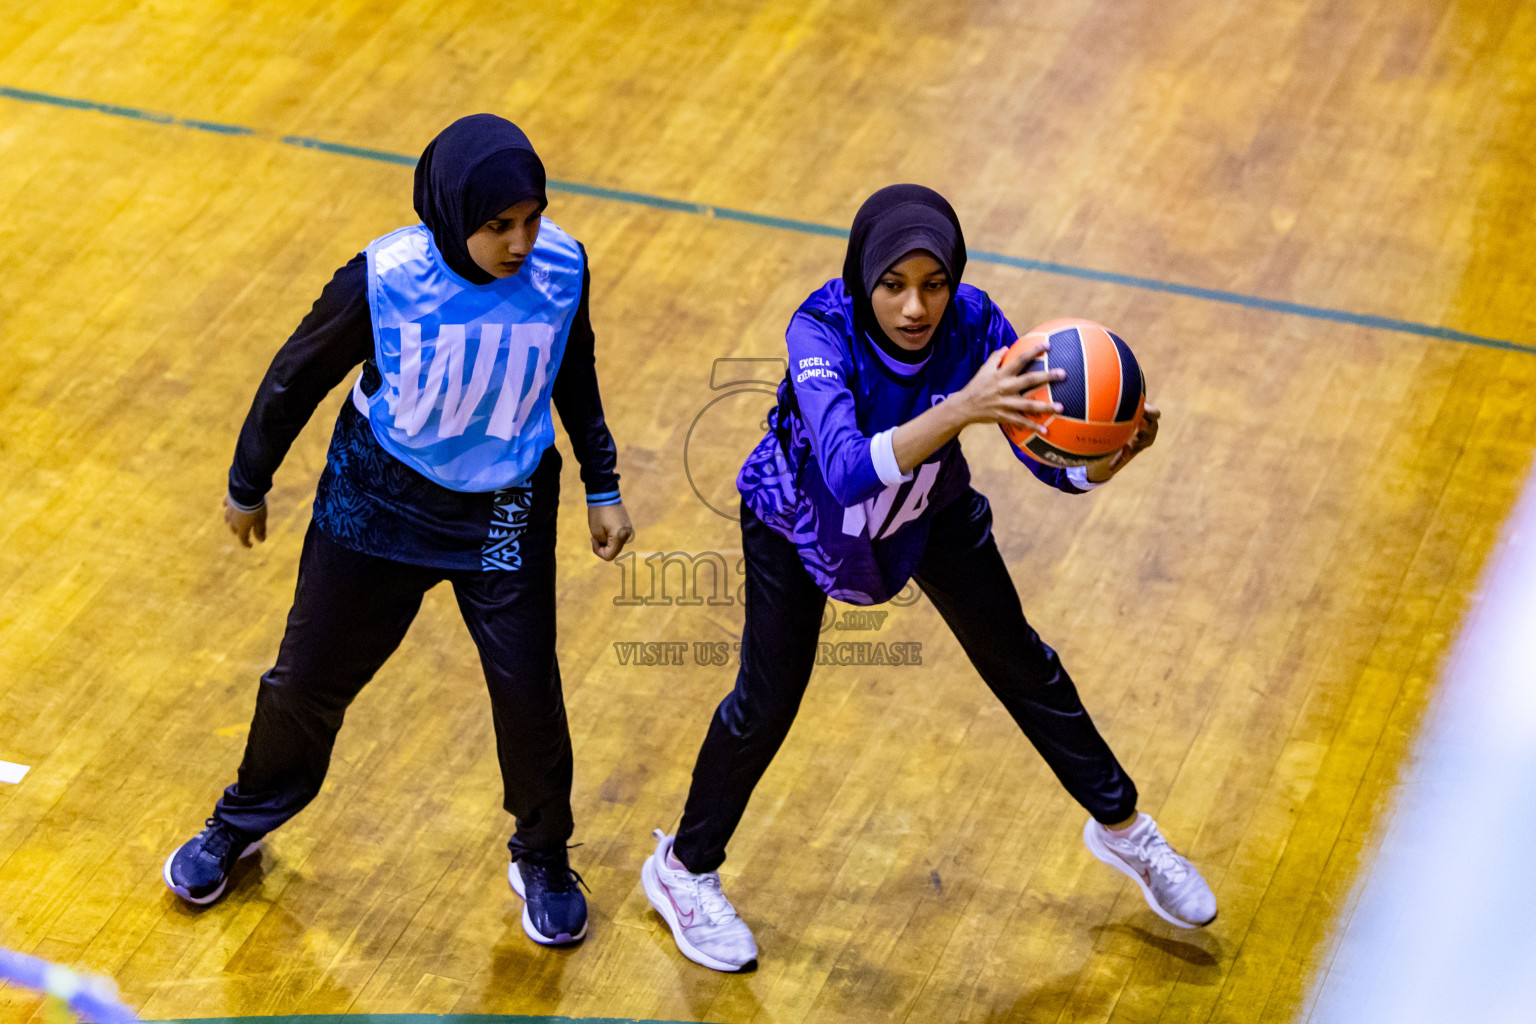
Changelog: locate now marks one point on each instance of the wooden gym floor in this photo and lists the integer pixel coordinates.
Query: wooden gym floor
(1256, 612)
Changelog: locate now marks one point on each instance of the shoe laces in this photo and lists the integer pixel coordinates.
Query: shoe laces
(218, 838)
(553, 868)
(711, 898)
(1154, 850)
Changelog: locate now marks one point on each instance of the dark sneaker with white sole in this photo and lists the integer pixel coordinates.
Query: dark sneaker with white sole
(199, 870)
(554, 910)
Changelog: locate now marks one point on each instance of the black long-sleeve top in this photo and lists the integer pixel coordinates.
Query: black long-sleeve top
(368, 499)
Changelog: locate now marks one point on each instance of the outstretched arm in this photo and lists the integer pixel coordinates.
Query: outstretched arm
(994, 395)
(856, 465)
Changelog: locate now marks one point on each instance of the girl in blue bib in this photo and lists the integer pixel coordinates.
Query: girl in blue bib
(468, 326)
(860, 485)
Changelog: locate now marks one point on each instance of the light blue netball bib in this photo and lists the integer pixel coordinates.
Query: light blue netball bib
(467, 368)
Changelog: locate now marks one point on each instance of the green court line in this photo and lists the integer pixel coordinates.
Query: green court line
(28, 96)
(1324, 313)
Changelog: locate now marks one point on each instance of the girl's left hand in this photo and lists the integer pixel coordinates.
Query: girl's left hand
(611, 530)
(1139, 442)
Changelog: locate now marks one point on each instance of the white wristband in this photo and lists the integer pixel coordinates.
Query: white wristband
(882, 451)
(1077, 476)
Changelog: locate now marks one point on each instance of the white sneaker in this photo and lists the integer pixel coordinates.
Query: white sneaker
(1173, 888)
(702, 920)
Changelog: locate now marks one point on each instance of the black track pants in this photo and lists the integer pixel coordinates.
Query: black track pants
(963, 574)
(350, 612)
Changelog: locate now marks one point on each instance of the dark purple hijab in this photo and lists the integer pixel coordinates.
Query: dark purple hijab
(474, 169)
(894, 221)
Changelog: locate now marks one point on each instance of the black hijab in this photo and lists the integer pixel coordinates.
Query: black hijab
(893, 222)
(474, 169)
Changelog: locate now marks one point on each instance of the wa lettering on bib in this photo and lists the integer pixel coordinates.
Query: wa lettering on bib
(467, 369)
(873, 517)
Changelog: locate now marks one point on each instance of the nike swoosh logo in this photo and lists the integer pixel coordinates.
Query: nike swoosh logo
(686, 922)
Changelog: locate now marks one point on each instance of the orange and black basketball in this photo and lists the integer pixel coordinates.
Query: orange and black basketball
(1101, 397)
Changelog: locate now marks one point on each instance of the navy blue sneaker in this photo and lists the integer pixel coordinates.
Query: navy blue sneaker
(554, 910)
(199, 870)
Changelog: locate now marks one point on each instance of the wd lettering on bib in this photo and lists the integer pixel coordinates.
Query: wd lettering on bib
(468, 369)
(526, 345)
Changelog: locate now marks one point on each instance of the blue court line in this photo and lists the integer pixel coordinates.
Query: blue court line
(1340, 316)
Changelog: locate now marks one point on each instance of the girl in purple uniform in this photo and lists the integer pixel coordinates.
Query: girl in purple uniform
(860, 485)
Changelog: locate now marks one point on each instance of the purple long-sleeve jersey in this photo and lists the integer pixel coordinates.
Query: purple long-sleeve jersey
(819, 478)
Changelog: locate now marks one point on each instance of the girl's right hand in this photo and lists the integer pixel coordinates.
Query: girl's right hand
(246, 525)
(996, 393)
